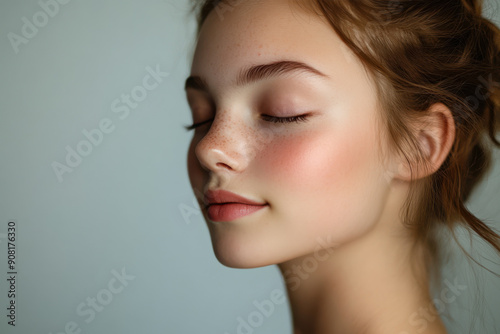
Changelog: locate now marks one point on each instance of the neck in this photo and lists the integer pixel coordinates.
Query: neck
(371, 285)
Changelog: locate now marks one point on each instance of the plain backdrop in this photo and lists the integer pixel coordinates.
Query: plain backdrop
(116, 244)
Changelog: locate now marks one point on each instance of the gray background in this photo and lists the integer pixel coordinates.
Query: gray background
(123, 206)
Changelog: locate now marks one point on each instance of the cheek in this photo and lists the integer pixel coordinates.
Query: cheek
(331, 181)
(310, 161)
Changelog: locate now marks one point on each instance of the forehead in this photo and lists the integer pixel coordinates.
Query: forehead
(253, 32)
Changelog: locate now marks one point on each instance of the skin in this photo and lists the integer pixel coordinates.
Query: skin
(332, 185)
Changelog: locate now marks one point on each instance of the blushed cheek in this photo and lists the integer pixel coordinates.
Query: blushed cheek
(314, 162)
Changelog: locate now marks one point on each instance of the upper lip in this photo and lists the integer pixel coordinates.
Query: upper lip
(224, 196)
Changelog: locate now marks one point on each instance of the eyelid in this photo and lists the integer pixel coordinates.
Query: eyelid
(267, 118)
(287, 119)
(195, 125)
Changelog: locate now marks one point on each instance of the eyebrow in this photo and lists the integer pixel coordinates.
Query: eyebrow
(259, 72)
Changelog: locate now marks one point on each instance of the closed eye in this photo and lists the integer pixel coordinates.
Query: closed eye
(194, 126)
(267, 118)
(291, 119)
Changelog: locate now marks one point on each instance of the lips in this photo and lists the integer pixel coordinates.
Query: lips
(222, 205)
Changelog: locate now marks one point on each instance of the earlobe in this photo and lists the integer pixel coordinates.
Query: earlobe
(435, 134)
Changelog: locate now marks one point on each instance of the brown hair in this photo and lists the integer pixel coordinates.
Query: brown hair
(421, 52)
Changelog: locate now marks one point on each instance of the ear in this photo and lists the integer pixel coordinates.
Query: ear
(435, 132)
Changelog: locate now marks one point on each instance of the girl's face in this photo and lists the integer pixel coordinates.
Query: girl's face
(323, 178)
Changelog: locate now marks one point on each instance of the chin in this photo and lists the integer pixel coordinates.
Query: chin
(235, 249)
(233, 254)
(233, 260)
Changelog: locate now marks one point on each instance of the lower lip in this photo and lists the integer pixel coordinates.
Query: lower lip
(231, 211)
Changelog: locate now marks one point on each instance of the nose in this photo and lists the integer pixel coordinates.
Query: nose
(225, 146)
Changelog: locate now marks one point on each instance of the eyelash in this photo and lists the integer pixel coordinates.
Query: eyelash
(194, 126)
(291, 119)
(272, 119)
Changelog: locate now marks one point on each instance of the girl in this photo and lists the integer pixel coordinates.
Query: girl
(337, 139)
